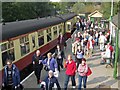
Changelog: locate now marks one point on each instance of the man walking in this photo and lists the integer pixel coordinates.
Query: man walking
(37, 65)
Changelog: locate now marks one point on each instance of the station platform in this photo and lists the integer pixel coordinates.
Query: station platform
(100, 74)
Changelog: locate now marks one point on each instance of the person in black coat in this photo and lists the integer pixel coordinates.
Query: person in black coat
(59, 55)
(51, 80)
(37, 64)
(62, 41)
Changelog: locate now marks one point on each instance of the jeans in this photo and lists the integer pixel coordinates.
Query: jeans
(67, 80)
(84, 79)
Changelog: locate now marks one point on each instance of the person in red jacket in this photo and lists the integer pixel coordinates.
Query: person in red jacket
(111, 49)
(70, 72)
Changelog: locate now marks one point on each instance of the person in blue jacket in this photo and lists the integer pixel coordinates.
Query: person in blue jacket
(11, 76)
(37, 64)
(50, 63)
(51, 80)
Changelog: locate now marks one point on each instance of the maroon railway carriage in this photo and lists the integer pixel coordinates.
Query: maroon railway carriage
(20, 39)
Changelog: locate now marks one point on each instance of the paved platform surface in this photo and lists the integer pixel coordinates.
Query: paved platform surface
(100, 74)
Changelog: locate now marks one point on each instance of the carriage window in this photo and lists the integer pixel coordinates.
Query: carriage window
(4, 47)
(7, 51)
(55, 31)
(33, 41)
(60, 28)
(24, 45)
(40, 38)
(69, 27)
(49, 36)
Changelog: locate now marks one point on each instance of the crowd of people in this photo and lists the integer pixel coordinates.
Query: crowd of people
(87, 36)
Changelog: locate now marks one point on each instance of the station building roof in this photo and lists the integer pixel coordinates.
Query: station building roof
(96, 13)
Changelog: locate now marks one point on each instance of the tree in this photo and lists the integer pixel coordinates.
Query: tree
(13, 11)
(78, 8)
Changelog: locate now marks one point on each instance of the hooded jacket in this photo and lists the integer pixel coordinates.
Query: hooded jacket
(15, 75)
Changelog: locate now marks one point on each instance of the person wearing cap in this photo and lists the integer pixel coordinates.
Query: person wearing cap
(51, 80)
(11, 76)
(70, 72)
(82, 70)
(37, 64)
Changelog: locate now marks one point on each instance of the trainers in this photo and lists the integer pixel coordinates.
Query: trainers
(73, 87)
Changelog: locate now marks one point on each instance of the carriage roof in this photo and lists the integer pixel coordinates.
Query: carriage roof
(13, 29)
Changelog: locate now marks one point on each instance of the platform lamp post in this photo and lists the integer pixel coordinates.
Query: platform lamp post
(116, 54)
(110, 19)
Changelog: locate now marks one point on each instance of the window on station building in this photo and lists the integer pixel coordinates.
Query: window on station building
(40, 38)
(55, 31)
(7, 50)
(49, 36)
(24, 45)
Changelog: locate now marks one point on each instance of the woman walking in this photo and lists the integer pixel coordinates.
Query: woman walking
(82, 70)
(70, 72)
(79, 55)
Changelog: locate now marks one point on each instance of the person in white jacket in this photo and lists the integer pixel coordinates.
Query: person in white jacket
(107, 54)
(102, 40)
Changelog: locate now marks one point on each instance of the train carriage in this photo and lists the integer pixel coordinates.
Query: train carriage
(20, 39)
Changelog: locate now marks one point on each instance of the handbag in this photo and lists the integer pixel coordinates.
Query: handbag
(89, 72)
(56, 73)
(46, 68)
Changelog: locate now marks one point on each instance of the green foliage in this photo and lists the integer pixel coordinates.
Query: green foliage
(84, 7)
(12, 11)
(104, 8)
(79, 8)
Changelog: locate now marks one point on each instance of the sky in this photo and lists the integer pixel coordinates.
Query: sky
(55, 0)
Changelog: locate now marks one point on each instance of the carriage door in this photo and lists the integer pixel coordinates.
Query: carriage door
(33, 41)
(68, 28)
